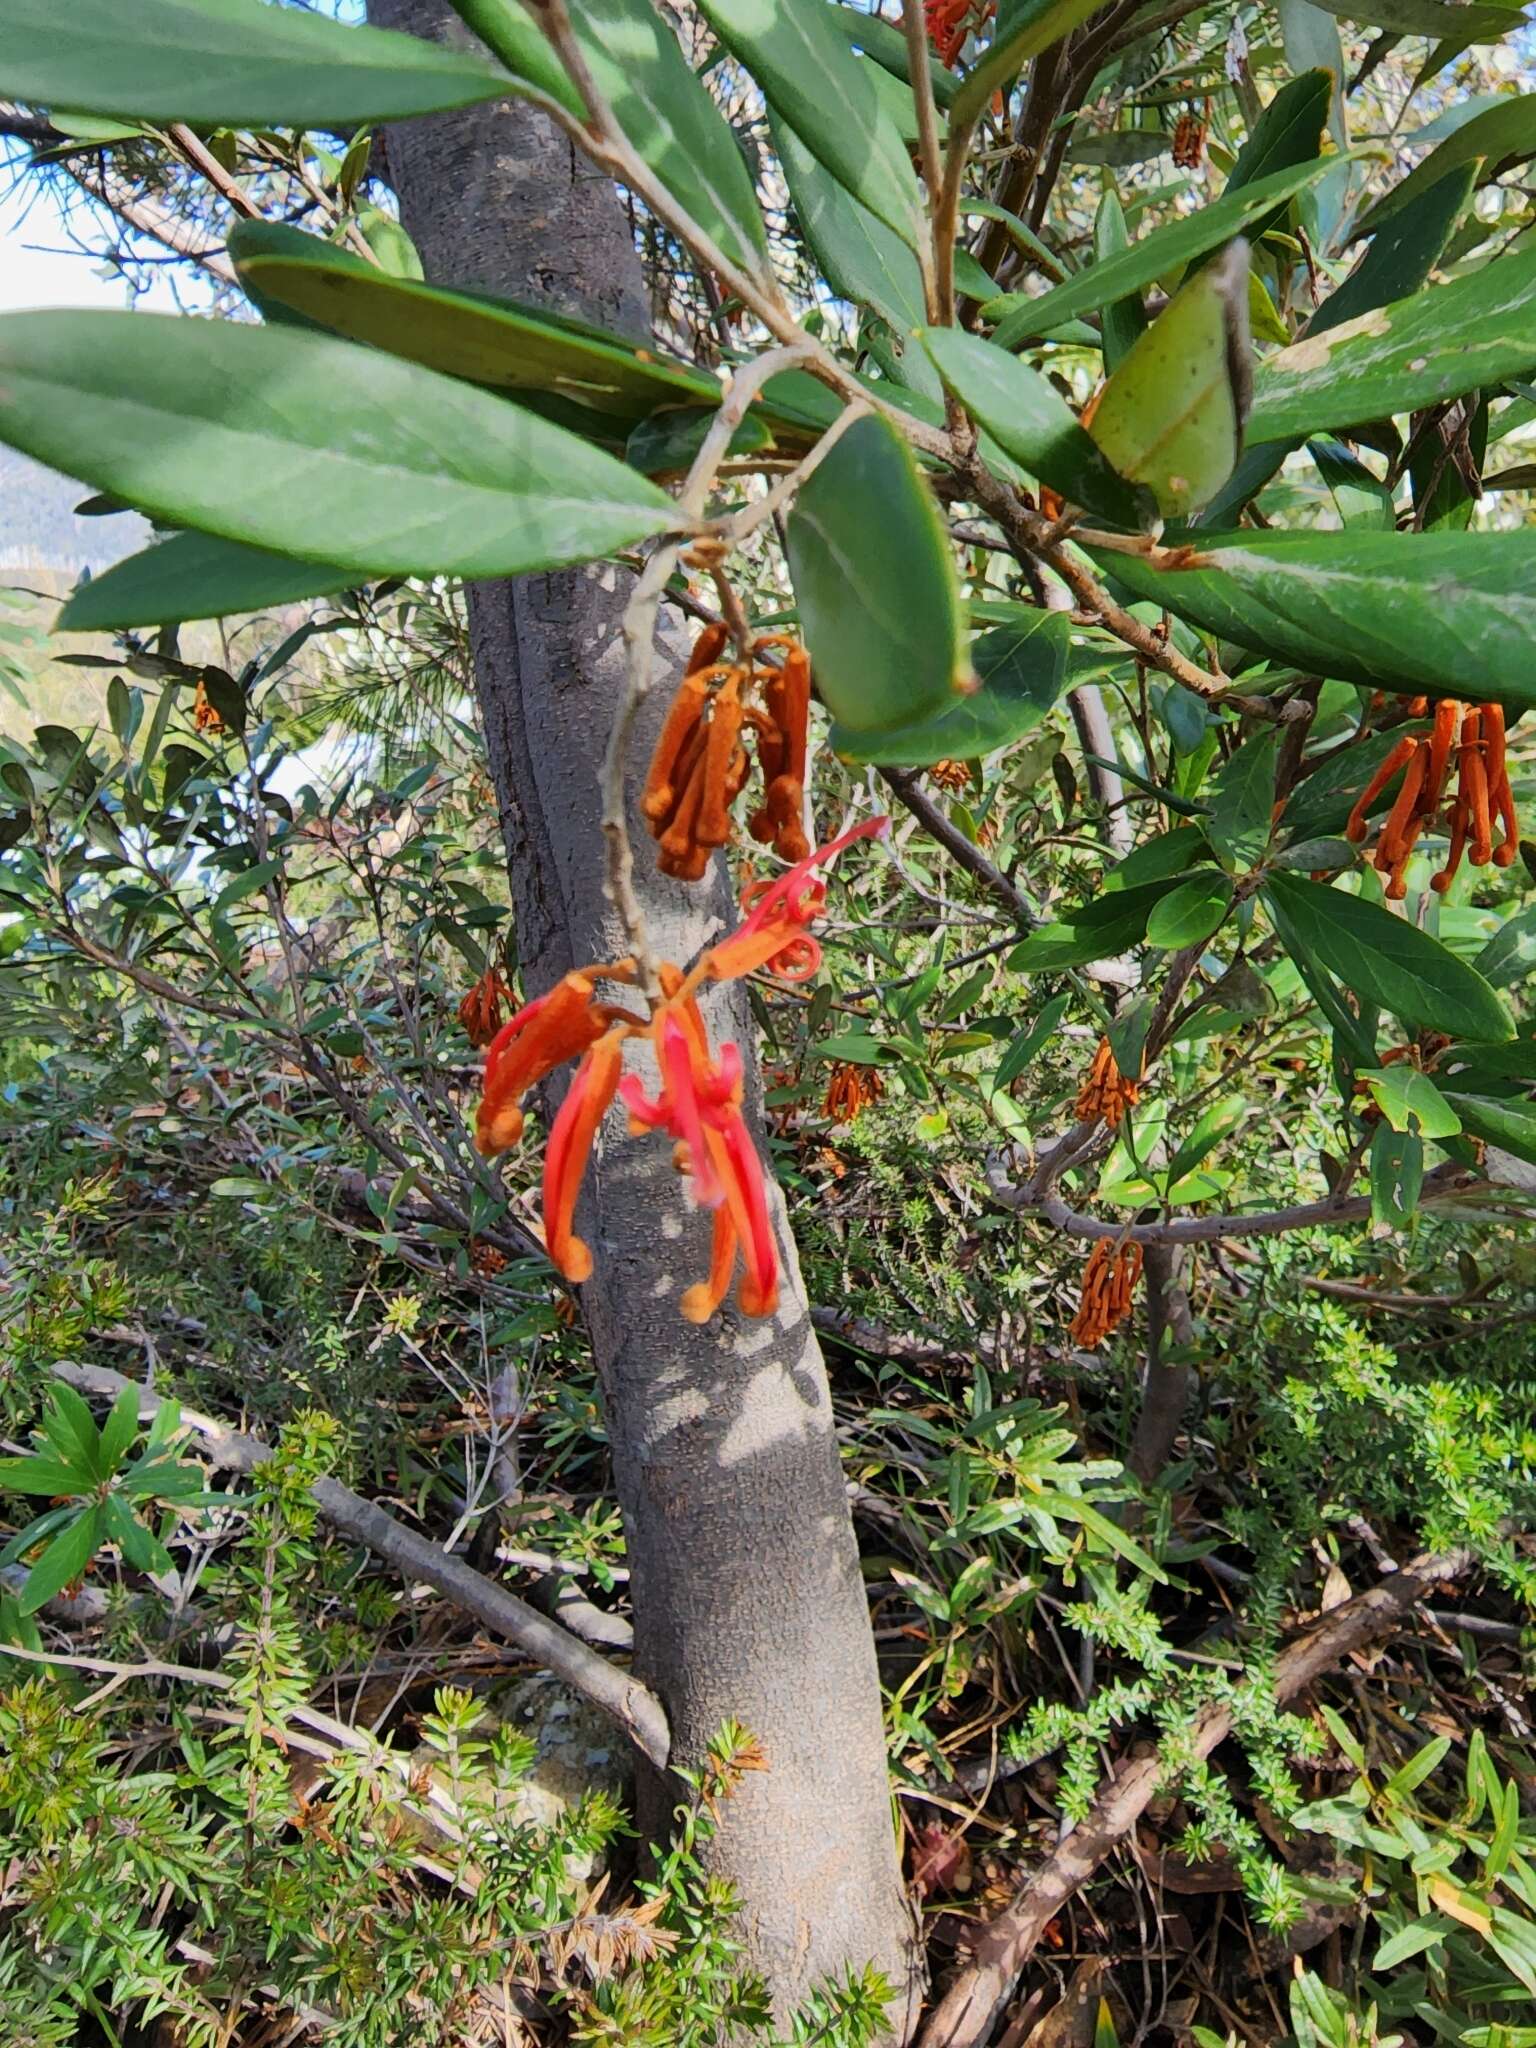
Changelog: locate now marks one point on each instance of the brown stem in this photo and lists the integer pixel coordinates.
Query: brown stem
(905, 787)
(1165, 1394)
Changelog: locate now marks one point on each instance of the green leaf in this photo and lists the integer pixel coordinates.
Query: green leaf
(1124, 320)
(510, 32)
(1436, 345)
(1111, 923)
(287, 440)
(1509, 1125)
(671, 121)
(194, 576)
(1410, 1941)
(247, 884)
(858, 255)
(1396, 611)
(1153, 257)
(1022, 670)
(886, 45)
(70, 1427)
(42, 1476)
(143, 1550)
(1287, 134)
(485, 340)
(818, 87)
(1192, 911)
(1402, 253)
(1410, 1101)
(875, 583)
(1510, 954)
(230, 63)
(1071, 1508)
(1026, 29)
(1242, 800)
(120, 1428)
(1033, 424)
(1389, 962)
(1502, 135)
(1468, 25)
(1171, 417)
(854, 1046)
(665, 443)
(63, 1561)
(1360, 498)
(1027, 1042)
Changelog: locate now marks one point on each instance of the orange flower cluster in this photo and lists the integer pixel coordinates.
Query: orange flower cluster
(1189, 133)
(1105, 1091)
(951, 21)
(849, 1088)
(700, 765)
(204, 717)
(955, 776)
(480, 1011)
(698, 1101)
(1109, 1281)
(1475, 737)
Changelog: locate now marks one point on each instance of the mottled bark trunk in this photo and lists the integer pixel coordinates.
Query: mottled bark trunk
(748, 1601)
(1167, 1387)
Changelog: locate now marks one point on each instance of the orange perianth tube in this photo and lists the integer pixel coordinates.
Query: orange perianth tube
(1507, 852)
(709, 647)
(1394, 836)
(1474, 789)
(570, 1146)
(701, 1300)
(1442, 881)
(1448, 713)
(1493, 746)
(713, 825)
(793, 710)
(1400, 755)
(542, 1036)
(681, 854)
(663, 780)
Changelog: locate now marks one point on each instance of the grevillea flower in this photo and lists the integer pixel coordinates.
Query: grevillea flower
(698, 1099)
(1109, 1282)
(1105, 1091)
(1472, 740)
(480, 1011)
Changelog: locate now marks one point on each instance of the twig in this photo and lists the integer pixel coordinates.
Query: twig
(965, 2014)
(938, 293)
(1165, 1392)
(904, 786)
(202, 159)
(633, 1707)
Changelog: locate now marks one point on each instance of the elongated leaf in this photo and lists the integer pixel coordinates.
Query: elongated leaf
(1397, 1174)
(665, 442)
(1389, 962)
(1125, 320)
(1171, 417)
(294, 442)
(886, 45)
(1510, 955)
(1509, 1125)
(1467, 25)
(1192, 911)
(1241, 799)
(818, 87)
(1397, 611)
(65, 1559)
(675, 126)
(42, 1476)
(1410, 1101)
(1022, 670)
(1402, 253)
(1023, 32)
(194, 576)
(1027, 417)
(1288, 133)
(1112, 922)
(510, 32)
(485, 340)
(1029, 1039)
(859, 256)
(1503, 134)
(1023, 319)
(875, 583)
(1403, 357)
(229, 63)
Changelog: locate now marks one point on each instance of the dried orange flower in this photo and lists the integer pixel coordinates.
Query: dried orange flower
(204, 716)
(848, 1089)
(1109, 1281)
(698, 1102)
(955, 776)
(1475, 737)
(480, 1011)
(949, 22)
(486, 1259)
(1189, 140)
(700, 763)
(1105, 1091)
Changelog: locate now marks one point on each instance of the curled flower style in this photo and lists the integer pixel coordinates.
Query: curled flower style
(1105, 1091)
(1472, 739)
(698, 1098)
(700, 764)
(1109, 1284)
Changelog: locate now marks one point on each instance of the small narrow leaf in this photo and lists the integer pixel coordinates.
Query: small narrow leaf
(1242, 799)
(63, 1561)
(862, 259)
(1501, 135)
(1124, 320)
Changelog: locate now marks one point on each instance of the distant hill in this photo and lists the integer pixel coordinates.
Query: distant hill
(39, 528)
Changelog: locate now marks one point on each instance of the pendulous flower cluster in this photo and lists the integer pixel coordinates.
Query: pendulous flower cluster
(698, 1099)
(1109, 1283)
(1471, 738)
(1105, 1091)
(700, 765)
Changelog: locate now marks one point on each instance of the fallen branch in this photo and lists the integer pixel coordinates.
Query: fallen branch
(965, 2015)
(633, 1707)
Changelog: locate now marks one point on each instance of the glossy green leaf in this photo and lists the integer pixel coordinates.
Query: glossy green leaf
(1501, 135)
(1396, 611)
(1027, 417)
(1403, 357)
(1389, 962)
(1410, 1101)
(673, 124)
(195, 576)
(1192, 911)
(1288, 133)
(875, 582)
(230, 63)
(666, 442)
(1468, 25)
(1359, 496)
(1022, 319)
(1022, 670)
(1124, 320)
(484, 340)
(858, 255)
(1029, 1039)
(292, 441)
(63, 1561)
(1171, 417)
(1396, 1164)
(42, 1476)
(1510, 955)
(120, 1428)
(1114, 921)
(1026, 29)
(511, 33)
(1511, 1125)
(1402, 253)
(886, 45)
(1241, 800)
(818, 87)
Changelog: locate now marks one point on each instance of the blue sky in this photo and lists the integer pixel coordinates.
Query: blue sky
(38, 266)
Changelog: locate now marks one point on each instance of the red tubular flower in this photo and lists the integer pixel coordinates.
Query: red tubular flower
(570, 1147)
(544, 1034)
(779, 914)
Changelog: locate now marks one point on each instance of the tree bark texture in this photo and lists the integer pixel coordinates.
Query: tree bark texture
(1167, 1387)
(748, 1602)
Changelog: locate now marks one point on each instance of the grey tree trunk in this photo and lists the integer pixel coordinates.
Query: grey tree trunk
(748, 1601)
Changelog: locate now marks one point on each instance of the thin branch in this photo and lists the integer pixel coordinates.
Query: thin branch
(905, 787)
(938, 289)
(633, 1707)
(202, 159)
(965, 2014)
